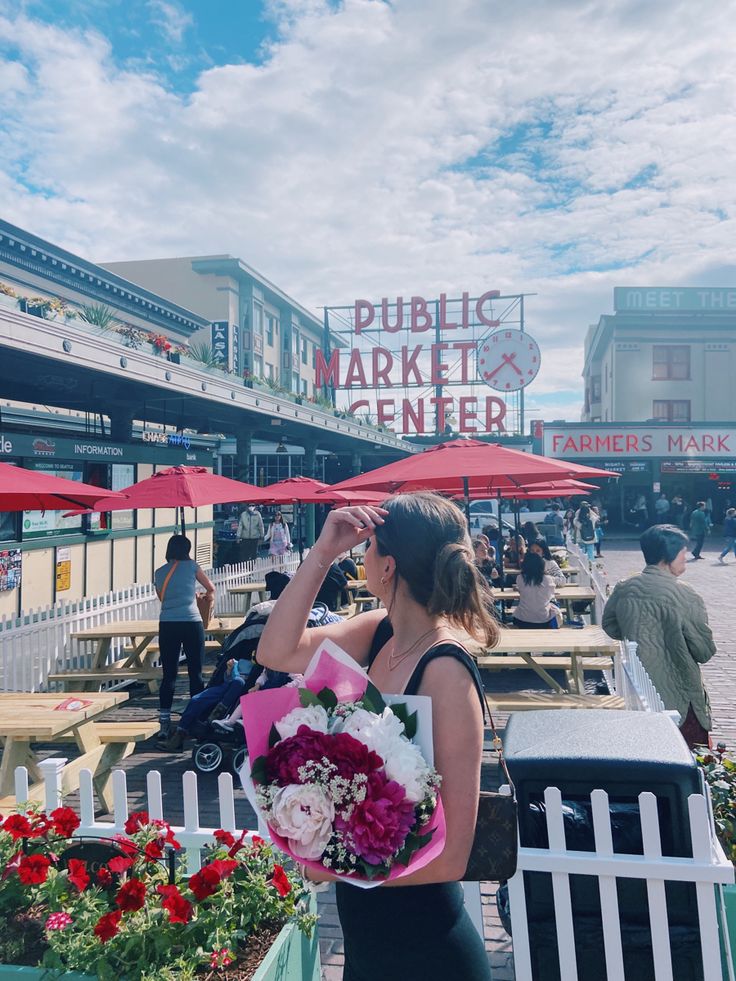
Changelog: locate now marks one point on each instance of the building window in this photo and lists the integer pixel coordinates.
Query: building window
(670, 362)
(596, 395)
(305, 350)
(271, 328)
(671, 410)
(258, 320)
(304, 386)
(258, 366)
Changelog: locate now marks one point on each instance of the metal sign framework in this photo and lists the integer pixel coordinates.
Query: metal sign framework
(456, 323)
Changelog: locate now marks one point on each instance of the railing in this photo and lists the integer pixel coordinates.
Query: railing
(634, 685)
(39, 641)
(191, 836)
(707, 867)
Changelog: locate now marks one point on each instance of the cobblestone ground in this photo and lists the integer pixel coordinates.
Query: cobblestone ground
(621, 558)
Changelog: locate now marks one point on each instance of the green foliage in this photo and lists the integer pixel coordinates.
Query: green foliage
(720, 773)
(98, 315)
(373, 699)
(202, 351)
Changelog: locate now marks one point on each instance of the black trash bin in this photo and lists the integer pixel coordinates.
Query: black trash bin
(623, 753)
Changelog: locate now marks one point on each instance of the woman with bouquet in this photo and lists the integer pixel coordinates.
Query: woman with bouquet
(419, 562)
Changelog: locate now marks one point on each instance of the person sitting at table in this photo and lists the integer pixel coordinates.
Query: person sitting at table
(529, 531)
(551, 568)
(515, 551)
(485, 559)
(535, 608)
(180, 623)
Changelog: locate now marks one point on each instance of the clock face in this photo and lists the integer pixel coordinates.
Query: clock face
(508, 360)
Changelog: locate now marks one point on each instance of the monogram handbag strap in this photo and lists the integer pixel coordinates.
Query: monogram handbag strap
(169, 574)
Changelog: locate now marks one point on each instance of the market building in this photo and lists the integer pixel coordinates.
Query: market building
(102, 380)
(660, 404)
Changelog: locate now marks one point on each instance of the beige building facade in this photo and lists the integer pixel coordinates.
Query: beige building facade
(666, 354)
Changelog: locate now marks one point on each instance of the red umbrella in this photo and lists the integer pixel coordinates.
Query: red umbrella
(180, 487)
(296, 490)
(33, 490)
(468, 466)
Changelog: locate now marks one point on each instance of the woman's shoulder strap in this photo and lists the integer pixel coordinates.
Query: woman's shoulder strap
(384, 632)
(447, 650)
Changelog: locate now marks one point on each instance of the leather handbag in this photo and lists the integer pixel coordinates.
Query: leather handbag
(205, 606)
(494, 853)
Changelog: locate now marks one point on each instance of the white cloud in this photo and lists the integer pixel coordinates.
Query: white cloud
(170, 19)
(339, 166)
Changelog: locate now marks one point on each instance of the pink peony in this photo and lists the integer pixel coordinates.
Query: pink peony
(380, 824)
(348, 754)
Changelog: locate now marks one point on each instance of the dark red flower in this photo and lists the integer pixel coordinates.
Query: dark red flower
(40, 826)
(257, 841)
(223, 867)
(348, 754)
(132, 896)
(33, 869)
(166, 833)
(18, 826)
(78, 875)
(64, 821)
(380, 823)
(104, 877)
(237, 845)
(153, 851)
(179, 909)
(120, 864)
(280, 881)
(224, 838)
(108, 925)
(204, 883)
(136, 821)
(126, 845)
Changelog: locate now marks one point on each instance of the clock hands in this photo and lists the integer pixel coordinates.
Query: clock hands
(509, 359)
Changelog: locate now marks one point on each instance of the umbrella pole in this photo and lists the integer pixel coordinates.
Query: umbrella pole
(299, 530)
(499, 540)
(466, 492)
(183, 525)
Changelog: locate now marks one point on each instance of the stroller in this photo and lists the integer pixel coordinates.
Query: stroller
(217, 749)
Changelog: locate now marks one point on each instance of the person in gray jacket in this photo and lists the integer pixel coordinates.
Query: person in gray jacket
(250, 533)
(669, 623)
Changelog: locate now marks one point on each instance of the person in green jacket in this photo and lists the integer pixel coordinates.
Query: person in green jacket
(699, 524)
(668, 621)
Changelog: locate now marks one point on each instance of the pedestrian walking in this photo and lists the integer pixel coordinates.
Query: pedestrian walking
(669, 623)
(278, 536)
(699, 525)
(677, 511)
(250, 533)
(585, 524)
(662, 509)
(729, 534)
(180, 623)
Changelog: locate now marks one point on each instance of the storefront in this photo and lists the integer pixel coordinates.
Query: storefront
(45, 556)
(694, 462)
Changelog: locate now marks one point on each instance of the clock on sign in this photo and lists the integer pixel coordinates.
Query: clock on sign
(508, 360)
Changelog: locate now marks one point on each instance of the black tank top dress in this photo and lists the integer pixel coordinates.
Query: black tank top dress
(411, 933)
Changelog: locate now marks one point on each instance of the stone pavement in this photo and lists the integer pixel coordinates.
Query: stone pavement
(621, 558)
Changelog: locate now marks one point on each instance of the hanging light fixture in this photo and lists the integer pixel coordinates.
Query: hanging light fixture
(281, 448)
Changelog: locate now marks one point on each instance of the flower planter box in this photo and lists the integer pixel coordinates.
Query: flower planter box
(292, 957)
(729, 902)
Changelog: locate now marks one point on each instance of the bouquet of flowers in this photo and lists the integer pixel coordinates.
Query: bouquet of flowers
(343, 776)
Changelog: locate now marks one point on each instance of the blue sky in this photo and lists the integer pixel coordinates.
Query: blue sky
(367, 148)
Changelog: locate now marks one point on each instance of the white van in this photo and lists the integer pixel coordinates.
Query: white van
(485, 512)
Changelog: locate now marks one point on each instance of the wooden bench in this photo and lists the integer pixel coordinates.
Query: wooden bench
(507, 662)
(69, 680)
(361, 603)
(154, 649)
(528, 701)
(126, 732)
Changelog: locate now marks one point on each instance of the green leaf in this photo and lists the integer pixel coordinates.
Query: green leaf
(328, 698)
(410, 726)
(258, 770)
(307, 698)
(273, 736)
(373, 700)
(400, 711)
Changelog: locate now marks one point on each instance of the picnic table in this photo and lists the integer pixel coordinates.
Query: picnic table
(569, 571)
(567, 595)
(26, 719)
(248, 590)
(531, 648)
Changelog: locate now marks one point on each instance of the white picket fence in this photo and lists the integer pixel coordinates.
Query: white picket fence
(39, 641)
(707, 868)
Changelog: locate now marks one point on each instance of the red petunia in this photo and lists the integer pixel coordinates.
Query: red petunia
(78, 875)
(126, 845)
(18, 826)
(33, 869)
(165, 832)
(132, 896)
(280, 881)
(257, 841)
(136, 821)
(104, 877)
(179, 909)
(153, 851)
(64, 821)
(107, 926)
(204, 883)
(224, 838)
(119, 864)
(223, 867)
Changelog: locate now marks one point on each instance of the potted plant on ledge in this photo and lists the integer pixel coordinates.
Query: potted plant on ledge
(133, 915)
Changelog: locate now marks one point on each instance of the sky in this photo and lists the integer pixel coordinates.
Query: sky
(366, 148)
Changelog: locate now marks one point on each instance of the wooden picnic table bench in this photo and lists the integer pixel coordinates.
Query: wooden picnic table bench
(27, 719)
(248, 590)
(507, 703)
(565, 595)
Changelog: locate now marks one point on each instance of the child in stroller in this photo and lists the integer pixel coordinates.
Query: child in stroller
(225, 736)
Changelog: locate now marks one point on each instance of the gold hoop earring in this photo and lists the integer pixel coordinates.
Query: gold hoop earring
(383, 580)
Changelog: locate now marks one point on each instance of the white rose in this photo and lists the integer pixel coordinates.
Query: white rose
(354, 723)
(403, 761)
(303, 814)
(406, 765)
(313, 716)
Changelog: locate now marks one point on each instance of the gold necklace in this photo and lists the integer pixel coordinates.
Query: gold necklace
(394, 660)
